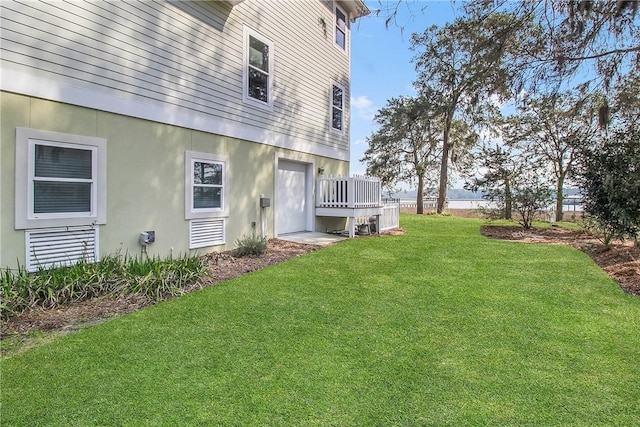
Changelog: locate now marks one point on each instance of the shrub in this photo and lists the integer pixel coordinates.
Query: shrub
(530, 199)
(601, 229)
(434, 213)
(609, 180)
(250, 246)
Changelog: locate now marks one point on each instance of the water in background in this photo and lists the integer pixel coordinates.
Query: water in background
(464, 199)
(477, 203)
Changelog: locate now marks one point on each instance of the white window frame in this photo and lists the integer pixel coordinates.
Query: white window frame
(247, 33)
(344, 94)
(191, 157)
(336, 28)
(25, 217)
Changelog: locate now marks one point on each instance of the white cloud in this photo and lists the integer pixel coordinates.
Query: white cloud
(359, 142)
(361, 102)
(363, 107)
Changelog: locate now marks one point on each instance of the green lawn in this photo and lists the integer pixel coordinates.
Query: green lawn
(440, 326)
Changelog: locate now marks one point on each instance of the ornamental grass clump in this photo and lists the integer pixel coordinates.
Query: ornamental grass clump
(115, 275)
(250, 246)
(156, 278)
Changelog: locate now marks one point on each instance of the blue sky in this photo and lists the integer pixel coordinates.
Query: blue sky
(381, 66)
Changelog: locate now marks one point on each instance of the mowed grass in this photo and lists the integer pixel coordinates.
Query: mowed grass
(439, 326)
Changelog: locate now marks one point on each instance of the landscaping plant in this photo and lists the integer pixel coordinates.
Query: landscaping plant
(250, 246)
(117, 274)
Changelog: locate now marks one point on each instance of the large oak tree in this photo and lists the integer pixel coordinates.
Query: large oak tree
(405, 148)
(469, 71)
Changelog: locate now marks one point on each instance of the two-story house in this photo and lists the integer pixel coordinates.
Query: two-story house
(200, 121)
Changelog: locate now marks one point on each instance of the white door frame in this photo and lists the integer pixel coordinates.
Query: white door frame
(310, 188)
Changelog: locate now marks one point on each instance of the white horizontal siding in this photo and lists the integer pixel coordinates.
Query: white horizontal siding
(181, 60)
(308, 61)
(138, 64)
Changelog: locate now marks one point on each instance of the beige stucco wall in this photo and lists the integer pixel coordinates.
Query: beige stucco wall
(145, 177)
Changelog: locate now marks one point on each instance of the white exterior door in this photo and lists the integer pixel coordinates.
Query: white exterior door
(291, 202)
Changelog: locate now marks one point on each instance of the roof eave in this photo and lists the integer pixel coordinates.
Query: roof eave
(356, 8)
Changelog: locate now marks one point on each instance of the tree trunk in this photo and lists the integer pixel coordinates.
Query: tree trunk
(420, 196)
(508, 203)
(559, 199)
(444, 169)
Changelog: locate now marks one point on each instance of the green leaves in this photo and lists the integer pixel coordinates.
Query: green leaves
(405, 148)
(250, 246)
(466, 68)
(610, 181)
(512, 181)
(118, 274)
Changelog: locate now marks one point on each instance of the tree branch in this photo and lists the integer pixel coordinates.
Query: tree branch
(600, 55)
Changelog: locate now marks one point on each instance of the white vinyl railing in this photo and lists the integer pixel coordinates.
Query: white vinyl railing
(428, 203)
(390, 217)
(348, 192)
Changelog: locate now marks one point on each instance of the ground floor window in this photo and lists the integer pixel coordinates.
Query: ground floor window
(60, 179)
(205, 185)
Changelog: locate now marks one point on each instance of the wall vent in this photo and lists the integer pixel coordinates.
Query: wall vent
(206, 232)
(56, 247)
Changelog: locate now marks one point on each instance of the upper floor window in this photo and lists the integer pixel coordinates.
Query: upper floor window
(341, 28)
(337, 107)
(206, 185)
(60, 179)
(258, 69)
